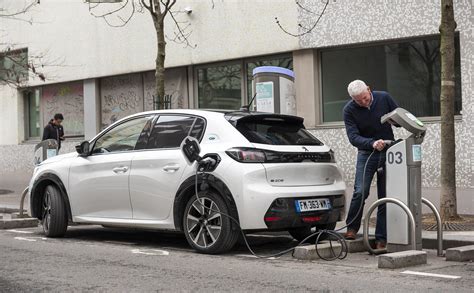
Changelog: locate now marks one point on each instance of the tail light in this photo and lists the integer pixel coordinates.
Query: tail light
(253, 155)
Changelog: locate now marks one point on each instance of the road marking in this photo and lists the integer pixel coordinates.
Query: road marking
(120, 242)
(431, 275)
(150, 251)
(19, 231)
(270, 236)
(30, 239)
(253, 256)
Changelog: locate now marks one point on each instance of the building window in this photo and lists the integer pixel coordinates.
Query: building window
(219, 86)
(228, 86)
(32, 101)
(408, 70)
(285, 61)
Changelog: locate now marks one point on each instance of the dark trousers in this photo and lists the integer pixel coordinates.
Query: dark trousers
(376, 164)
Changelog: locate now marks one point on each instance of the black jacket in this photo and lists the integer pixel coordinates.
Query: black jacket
(52, 131)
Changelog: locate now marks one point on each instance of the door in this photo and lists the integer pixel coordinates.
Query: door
(99, 183)
(156, 172)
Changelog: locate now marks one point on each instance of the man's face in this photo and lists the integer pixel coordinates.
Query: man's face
(57, 122)
(364, 99)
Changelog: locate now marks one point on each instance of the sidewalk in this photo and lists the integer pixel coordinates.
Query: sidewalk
(17, 182)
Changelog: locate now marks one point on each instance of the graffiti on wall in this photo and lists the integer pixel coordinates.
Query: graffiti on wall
(176, 91)
(68, 99)
(120, 96)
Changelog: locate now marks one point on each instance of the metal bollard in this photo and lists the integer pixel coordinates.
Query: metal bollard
(371, 209)
(23, 195)
(438, 221)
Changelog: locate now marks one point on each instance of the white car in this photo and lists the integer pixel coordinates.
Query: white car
(273, 175)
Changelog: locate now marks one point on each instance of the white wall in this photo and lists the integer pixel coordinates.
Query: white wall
(86, 47)
(11, 113)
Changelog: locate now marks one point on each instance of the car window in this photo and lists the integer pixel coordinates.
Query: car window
(169, 131)
(276, 132)
(123, 137)
(198, 129)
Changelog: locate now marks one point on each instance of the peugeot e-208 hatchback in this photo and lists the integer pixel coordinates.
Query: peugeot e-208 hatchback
(273, 175)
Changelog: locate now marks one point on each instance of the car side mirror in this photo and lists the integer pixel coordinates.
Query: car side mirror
(83, 149)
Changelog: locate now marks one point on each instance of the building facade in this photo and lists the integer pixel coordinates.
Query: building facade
(97, 73)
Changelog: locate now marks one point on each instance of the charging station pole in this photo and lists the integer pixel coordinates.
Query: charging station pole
(403, 180)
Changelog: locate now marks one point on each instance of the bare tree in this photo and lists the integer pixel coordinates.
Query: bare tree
(448, 148)
(17, 65)
(159, 10)
(304, 28)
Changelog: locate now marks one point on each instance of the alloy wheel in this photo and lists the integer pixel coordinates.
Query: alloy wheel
(204, 222)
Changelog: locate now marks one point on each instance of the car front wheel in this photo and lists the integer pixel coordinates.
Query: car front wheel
(206, 227)
(54, 218)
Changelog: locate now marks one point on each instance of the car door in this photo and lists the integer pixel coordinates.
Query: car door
(156, 172)
(98, 183)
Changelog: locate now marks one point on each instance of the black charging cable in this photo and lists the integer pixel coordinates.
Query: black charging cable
(333, 234)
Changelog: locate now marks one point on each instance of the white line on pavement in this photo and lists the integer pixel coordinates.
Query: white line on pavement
(431, 275)
(19, 231)
(253, 256)
(120, 242)
(150, 251)
(30, 239)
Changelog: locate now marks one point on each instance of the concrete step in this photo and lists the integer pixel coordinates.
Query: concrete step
(463, 253)
(402, 259)
(308, 252)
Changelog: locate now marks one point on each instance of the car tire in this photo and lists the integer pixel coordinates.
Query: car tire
(54, 217)
(207, 230)
(301, 233)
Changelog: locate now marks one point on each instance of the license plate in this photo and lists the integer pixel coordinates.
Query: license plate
(308, 205)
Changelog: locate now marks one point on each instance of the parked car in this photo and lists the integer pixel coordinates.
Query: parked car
(273, 175)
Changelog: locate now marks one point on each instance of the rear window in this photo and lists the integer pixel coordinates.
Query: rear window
(276, 131)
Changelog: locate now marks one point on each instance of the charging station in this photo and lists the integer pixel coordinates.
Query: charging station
(403, 175)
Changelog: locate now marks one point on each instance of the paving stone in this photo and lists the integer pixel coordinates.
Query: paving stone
(402, 259)
(463, 253)
(308, 252)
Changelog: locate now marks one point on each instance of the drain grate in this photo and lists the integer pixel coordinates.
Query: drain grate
(5, 191)
(450, 226)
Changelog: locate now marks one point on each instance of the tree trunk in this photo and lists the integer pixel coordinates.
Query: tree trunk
(160, 57)
(448, 203)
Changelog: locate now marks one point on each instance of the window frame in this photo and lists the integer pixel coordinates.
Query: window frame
(319, 51)
(26, 112)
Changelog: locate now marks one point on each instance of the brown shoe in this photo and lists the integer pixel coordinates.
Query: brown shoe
(350, 235)
(380, 245)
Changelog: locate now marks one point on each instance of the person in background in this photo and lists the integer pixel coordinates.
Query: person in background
(363, 127)
(54, 129)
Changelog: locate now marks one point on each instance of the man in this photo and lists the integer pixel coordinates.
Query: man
(54, 129)
(362, 120)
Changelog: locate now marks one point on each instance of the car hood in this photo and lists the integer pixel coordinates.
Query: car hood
(59, 158)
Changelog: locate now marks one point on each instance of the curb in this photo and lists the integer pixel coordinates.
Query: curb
(18, 223)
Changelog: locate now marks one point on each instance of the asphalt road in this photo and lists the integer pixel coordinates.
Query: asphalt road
(92, 258)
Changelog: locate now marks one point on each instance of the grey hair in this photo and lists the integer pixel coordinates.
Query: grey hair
(356, 88)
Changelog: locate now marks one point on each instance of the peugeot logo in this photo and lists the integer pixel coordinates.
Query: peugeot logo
(305, 149)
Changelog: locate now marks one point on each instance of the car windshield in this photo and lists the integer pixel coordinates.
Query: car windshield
(276, 131)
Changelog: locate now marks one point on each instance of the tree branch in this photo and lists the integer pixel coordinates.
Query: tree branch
(306, 30)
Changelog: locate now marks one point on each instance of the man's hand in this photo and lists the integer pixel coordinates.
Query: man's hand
(379, 145)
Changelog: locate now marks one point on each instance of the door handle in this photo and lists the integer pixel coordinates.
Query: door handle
(121, 169)
(171, 168)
